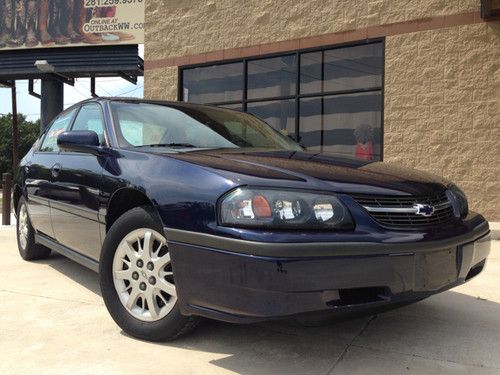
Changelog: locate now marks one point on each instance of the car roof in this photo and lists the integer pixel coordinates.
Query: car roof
(148, 101)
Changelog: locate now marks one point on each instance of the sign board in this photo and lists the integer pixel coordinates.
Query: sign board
(26, 24)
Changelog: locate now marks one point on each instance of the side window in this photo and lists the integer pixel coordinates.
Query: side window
(59, 126)
(90, 118)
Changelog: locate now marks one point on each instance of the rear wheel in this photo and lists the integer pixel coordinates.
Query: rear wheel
(28, 249)
(137, 279)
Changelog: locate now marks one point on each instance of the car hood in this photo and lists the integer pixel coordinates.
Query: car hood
(342, 174)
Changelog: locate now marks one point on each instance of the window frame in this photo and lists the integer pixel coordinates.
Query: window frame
(106, 137)
(297, 96)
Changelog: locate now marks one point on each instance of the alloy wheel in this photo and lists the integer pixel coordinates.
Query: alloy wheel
(142, 275)
(23, 228)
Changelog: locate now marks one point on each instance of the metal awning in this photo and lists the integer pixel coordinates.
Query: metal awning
(73, 62)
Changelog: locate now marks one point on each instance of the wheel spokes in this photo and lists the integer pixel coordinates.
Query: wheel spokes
(124, 274)
(153, 307)
(164, 274)
(142, 275)
(129, 251)
(167, 287)
(132, 299)
(162, 261)
(148, 244)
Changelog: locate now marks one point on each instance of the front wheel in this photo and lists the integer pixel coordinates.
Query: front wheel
(137, 279)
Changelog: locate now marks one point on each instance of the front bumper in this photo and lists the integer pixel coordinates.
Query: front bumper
(241, 285)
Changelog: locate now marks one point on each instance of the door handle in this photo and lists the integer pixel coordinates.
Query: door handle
(55, 170)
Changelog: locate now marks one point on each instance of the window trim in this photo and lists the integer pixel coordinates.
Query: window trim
(298, 96)
(106, 137)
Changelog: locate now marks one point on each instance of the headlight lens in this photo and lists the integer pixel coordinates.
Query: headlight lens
(459, 200)
(245, 207)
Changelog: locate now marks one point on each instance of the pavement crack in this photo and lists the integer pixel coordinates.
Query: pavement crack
(414, 355)
(51, 298)
(351, 343)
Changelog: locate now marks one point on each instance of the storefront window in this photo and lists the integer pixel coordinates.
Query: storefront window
(346, 124)
(329, 100)
(353, 68)
(273, 77)
(216, 83)
(280, 114)
(311, 72)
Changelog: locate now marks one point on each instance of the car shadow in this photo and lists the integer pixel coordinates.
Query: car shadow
(450, 326)
(74, 271)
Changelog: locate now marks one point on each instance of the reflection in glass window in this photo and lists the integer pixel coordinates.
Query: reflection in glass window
(279, 114)
(310, 72)
(339, 95)
(272, 77)
(205, 127)
(90, 118)
(234, 107)
(213, 84)
(352, 68)
(346, 124)
(133, 132)
(59, 126)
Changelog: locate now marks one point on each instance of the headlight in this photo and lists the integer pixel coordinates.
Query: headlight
(266, 208)
(459, 200)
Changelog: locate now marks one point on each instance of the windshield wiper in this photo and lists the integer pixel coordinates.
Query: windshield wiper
(186, 145)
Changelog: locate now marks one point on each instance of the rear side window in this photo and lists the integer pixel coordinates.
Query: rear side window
(59, 126)
(90, 118)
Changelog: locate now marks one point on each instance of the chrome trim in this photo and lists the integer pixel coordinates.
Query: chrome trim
(402, 210)
(405, 210)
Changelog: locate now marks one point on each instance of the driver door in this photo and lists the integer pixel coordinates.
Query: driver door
(40, 172)
(75, 209)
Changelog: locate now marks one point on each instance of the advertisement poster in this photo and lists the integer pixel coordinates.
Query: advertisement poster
(70, 23)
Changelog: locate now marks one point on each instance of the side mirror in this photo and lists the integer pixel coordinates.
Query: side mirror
(80, 141)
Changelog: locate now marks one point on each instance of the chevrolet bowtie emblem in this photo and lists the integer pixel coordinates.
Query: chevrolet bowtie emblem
(423, 209)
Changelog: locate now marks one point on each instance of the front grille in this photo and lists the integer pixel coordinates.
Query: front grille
(382, 207)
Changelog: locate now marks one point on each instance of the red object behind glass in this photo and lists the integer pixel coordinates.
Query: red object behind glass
(364, 151)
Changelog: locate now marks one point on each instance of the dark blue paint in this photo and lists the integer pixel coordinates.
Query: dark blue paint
(184, 187)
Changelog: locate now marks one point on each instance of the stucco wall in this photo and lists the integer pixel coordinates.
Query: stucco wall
(442, 107)
(442, 84)
(187, 27)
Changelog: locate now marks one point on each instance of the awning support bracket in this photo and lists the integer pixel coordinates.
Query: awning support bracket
(127, 77)
(31, 89)
(92, 87)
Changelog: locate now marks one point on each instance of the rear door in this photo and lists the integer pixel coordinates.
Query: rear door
(75, 208)
(39, 174)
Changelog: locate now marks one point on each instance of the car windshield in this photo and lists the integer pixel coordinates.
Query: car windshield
(191, 127)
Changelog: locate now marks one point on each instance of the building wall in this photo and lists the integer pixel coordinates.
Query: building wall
(442, 107)
(442, 82)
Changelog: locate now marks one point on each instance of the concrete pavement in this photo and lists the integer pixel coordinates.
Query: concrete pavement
(53, 320)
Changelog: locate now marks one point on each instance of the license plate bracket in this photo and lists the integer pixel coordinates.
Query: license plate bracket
(436, 269)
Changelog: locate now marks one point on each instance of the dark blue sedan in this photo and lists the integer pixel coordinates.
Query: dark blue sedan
(191, 211)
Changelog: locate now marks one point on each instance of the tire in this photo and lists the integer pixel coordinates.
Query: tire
(28, 249)
(121, 277)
